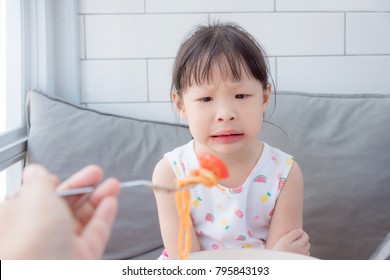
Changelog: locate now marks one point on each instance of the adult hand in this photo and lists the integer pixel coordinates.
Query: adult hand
(38, 224)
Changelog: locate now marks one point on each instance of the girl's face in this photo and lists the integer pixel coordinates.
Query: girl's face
(224, 115)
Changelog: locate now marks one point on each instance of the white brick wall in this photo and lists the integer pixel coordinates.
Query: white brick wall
(330, 74)
(109, 80)
(293, 34)
(208, 6)
(127, 47)
(368, 33)
(137, 35)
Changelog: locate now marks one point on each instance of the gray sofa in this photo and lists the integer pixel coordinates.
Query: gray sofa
(341, 142)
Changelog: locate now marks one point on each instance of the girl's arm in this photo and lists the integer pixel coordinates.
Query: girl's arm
(285, 229)
(166, 205)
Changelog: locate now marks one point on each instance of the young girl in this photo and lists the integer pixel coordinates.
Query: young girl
(220, 86)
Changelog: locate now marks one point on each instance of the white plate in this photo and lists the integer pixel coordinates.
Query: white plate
(247, 254)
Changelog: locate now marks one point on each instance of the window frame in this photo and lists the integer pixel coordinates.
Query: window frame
(13, 146)
(13, 142)
(50, 62)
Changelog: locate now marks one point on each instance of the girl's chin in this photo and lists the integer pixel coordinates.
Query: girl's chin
(230, 148)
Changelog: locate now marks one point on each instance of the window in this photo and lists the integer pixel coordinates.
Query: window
(11, 178)
(12, 125)
(11, 115)
(32, 34)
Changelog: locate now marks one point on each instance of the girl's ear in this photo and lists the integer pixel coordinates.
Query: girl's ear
(178, 101)
(266, 96)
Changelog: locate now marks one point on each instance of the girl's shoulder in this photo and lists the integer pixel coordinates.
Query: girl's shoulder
(166, 169)
(163, 174)
(275, 155)
(274, 151)
(182, 160)
(275, 161)
(181, 151)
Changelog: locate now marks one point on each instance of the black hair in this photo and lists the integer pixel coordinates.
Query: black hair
(224, 45)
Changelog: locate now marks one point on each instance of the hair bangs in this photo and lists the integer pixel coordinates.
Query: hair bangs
(226, 51)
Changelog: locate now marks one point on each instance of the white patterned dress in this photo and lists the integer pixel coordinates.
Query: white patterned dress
(234, 217)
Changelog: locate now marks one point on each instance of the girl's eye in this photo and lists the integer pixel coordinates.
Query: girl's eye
(241, 96)
(206, 99)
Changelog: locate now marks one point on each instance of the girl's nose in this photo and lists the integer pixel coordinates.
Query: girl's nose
(226, 114)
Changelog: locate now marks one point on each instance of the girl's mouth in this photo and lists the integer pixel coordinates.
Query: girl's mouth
(227, 138)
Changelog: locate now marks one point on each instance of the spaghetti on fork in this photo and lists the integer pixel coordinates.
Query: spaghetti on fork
(210, 172)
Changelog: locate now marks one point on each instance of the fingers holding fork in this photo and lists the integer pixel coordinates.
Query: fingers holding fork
(82, 198)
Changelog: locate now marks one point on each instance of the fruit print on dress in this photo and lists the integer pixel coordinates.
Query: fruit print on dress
(241, 238)
(177, 169)
(183, 166)
(225, 224)
(281, 183)
(210, 218)
(238, 213)
(275, 159)
(196, 202)
(235, 190)
(265, 197)
(256, 218)
(261, 179)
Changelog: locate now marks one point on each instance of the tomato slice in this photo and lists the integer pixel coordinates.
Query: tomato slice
(213, 163)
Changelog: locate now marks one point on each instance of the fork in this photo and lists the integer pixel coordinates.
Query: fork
(129, 184)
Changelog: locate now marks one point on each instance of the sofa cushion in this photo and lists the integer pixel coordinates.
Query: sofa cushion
(65, 138)
(341, 143)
